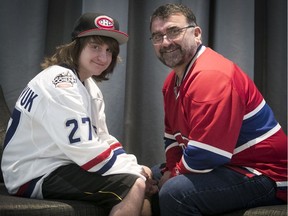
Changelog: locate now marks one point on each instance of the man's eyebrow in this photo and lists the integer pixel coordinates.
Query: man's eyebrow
(169, 28)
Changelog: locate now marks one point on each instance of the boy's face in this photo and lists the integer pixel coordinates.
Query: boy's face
(94, 59)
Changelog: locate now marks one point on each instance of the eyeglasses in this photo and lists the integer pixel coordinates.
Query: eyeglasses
(171, 34)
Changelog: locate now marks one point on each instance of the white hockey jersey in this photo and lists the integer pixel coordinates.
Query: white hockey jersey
(57, 121)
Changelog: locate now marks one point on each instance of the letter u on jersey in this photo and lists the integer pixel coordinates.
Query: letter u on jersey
(27, 97)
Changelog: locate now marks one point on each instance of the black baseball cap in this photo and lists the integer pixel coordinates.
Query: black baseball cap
(98, 24)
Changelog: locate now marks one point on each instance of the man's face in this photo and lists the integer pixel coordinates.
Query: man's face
(175, 41)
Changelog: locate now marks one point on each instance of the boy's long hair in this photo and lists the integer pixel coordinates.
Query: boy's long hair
(68, 54)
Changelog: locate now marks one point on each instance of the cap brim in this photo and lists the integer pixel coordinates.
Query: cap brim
(121, 37)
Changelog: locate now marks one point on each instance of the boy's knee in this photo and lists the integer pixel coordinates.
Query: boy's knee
(140, 184)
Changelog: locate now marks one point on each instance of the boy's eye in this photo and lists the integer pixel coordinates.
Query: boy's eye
(95, 46)
(99, 48)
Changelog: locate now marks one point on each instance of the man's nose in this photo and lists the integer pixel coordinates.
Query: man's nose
(165, 40)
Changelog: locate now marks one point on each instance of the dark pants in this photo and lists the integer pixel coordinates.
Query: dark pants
(221, 190)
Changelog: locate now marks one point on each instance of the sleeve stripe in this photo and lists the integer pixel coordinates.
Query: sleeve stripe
(210, 148)
(258, 139)
(194, 170)
(175, 144)
(95, 161)
(258, 108)
(116, 146)
(108, 165)
(169, 136)
(111, 153)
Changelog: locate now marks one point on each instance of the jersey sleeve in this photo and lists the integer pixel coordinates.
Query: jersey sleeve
(214, 115)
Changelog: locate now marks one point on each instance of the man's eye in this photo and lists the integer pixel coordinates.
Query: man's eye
(157, 36)
(175, 31)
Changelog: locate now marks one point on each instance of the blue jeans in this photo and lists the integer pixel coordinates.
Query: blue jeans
(221, 190)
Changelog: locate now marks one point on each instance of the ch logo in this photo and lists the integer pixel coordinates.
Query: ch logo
(104, 22)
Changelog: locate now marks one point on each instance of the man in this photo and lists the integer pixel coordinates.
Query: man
(224, 148)
(57, 144)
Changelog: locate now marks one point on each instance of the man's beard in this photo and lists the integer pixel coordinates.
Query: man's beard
(172, 56)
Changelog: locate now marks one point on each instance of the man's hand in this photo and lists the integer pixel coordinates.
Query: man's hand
(164, 178)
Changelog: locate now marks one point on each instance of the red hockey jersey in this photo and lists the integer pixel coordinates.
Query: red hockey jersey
(218, 117)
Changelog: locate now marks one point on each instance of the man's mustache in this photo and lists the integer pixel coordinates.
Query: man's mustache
(170, 48)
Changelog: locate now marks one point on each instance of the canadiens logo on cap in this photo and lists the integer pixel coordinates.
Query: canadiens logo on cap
(90, 24)
(104, 22)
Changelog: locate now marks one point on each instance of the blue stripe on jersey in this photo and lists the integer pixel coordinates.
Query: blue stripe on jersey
(13, 127)
(257, 125)
(111, 162)
(119, 151)
(168, 141)
(201, 159)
